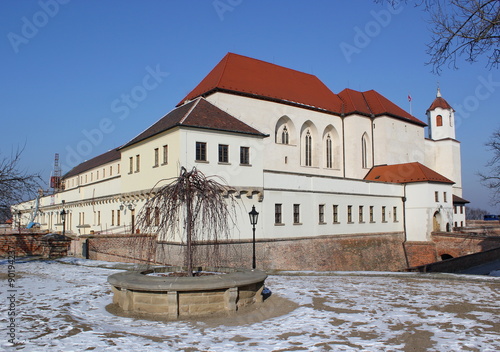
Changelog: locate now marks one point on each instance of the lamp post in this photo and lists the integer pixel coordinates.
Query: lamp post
(63, 219)
(254, 216)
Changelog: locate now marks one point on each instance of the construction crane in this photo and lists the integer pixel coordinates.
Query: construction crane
(55, 179)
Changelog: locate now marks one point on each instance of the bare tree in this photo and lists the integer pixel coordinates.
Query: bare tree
(475, 213)
(491, 179)
(16, 184)
(195, 207)
(461, 27)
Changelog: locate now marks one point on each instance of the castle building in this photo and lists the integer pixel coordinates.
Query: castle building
(346, 178)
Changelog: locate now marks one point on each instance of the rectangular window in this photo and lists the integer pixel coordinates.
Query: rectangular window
(111, 170)
(321, 214)
(137, 163)
(445, 198)
(157, 157)
(148, 216)
(395, 214)
(97, 174)
(98, 217)
(461, 209)
(383, 214)
(349, 214)
(436, 196)
(335, 214)
(296, 213)
(157, 216)
(201, 151)
(245, 155)
(361, 214)
(112, 218)
(103, 173)
(277, 214)
(165, 154)
(118, 167)
(117, 218)
(455, 210)
(131, 164)
(223, 153)
(371, 214)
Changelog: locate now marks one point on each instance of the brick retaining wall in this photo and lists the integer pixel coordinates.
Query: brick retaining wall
(347, 252)
(36, 244)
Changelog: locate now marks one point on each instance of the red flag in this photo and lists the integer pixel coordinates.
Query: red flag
(409, 98)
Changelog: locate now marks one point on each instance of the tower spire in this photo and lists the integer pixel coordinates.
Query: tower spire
(438, 94)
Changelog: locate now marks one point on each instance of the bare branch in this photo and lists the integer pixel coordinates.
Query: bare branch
(193, 209)
(16, 185)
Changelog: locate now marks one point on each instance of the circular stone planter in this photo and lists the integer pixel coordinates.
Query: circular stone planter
(138, 292)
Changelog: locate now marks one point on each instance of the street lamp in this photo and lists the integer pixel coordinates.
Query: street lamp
(63, 219)
(254, 216)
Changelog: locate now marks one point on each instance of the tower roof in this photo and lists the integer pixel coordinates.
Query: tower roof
(439, 102)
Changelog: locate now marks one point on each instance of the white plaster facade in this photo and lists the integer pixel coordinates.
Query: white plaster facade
(305, 174)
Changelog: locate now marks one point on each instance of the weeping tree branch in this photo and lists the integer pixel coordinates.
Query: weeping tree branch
(16, 184)
(192, 208)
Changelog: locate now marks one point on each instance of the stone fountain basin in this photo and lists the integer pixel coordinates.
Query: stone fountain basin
(138, 292)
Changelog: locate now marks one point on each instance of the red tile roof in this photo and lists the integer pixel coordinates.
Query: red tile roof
(439, 102)
(372, 103)
(242, 75)
(198, 113)
(405, 173)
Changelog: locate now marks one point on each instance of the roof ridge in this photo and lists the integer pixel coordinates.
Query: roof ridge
(181, 121)
(368, 104)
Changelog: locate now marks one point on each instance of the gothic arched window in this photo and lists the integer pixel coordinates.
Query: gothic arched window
(284, 136)
(308, 144)
(329, 155)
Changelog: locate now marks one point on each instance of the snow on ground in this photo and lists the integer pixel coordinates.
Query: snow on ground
(61, 307)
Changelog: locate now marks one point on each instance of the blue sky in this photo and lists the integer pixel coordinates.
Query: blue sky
(67, 67)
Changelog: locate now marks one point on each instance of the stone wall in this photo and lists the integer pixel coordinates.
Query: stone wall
(348, 252)
(38, 244)
(456, 245)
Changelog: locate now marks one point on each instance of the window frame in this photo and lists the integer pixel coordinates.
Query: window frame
(201, 152)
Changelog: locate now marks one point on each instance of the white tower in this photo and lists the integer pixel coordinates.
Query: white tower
(443, 154)
(441, 117)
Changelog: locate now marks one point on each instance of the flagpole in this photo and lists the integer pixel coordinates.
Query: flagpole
(409, 100)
